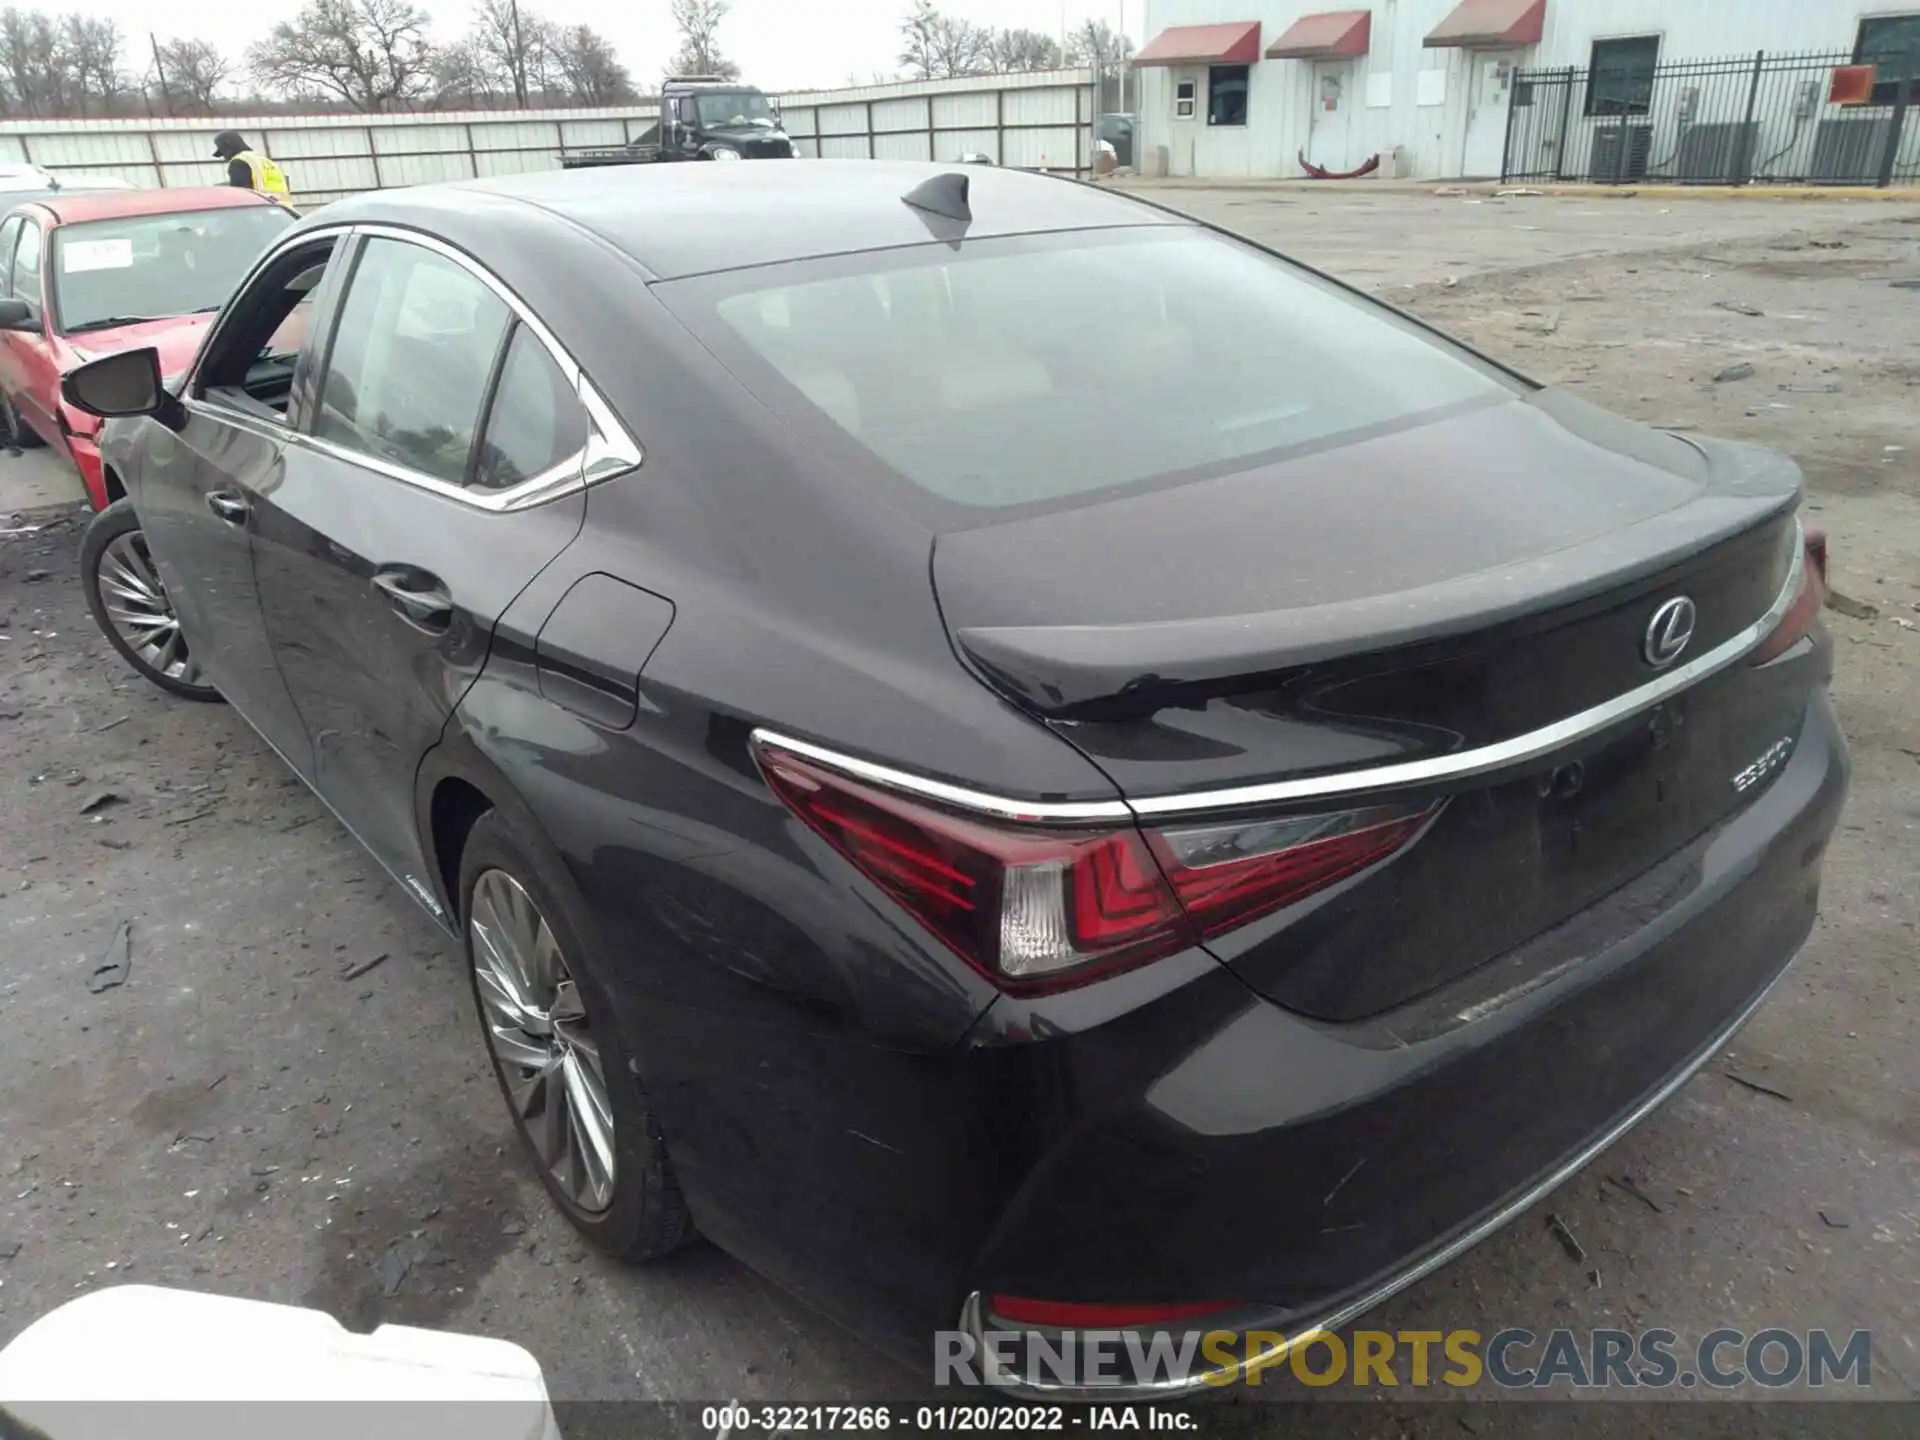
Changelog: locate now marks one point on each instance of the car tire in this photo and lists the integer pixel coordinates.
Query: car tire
(24, 435)
(643, 1215)
(131, 607)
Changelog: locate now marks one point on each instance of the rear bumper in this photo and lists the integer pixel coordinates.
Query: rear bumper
(1309, 1171)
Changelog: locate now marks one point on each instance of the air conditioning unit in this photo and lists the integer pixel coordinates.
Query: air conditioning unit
(1718, 154)
(1620, 152)
(1847, 151)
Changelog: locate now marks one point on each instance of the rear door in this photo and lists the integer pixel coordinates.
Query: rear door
(440, 471)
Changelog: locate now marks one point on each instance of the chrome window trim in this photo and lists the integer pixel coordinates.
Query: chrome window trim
(225, 317)
(1438, 769)
(609, 450)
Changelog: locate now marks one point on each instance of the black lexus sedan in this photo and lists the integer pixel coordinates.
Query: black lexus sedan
(1017, 761)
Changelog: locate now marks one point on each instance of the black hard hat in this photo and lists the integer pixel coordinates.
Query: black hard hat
(227, 144)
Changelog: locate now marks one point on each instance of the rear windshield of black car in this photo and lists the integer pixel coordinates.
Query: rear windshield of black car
(1038, 369)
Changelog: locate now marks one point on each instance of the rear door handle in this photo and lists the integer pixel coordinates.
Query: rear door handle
(419, 598)
(230, 507)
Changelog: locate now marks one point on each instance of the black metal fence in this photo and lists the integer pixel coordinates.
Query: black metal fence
(1761, 119)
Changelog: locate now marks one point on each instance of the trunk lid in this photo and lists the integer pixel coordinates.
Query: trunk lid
(1455, 586)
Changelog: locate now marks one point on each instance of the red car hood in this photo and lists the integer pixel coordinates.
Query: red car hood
(176, 339)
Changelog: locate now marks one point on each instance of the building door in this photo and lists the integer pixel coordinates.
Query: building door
(1489, 93)
(1186, 117)
(1330, 125)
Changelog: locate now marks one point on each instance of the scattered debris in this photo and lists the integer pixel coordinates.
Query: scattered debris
(1913, 284)
(1828, 244)
(1757, 1086)
(1738, 307)
(1593, 1278)
(513, 1225)
(1517, 190)
(217, 1081)
(1551, 323)
(394, 1266)
(1626, 1183)
(9, 1249)
(34, 577)
(1904, 623)
(1566, 1238)
(1853, 609)
(1742, 371)
(115, 844)
(1449, 190)
(111, 724)
(184, 1136)
(1835, 1219)
(196, 815)
(1813, 387)
(105, 800)
(22, 530)
(115, 963)
(361, 969)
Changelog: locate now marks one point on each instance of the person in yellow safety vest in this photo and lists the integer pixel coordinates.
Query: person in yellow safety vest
(248, 169)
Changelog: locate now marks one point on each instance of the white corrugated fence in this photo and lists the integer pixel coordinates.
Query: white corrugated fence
(1030, 121)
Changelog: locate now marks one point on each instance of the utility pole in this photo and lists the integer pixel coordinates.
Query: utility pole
(519, 56)
(160, 74)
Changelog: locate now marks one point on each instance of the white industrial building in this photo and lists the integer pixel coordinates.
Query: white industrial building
(1250, 87)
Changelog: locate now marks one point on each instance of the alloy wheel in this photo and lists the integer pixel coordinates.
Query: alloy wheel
(137, 605)
(542, 1040)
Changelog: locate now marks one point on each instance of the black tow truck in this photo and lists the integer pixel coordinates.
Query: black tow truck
(702, 117)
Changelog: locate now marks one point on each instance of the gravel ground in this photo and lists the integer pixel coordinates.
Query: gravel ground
(285, 1098)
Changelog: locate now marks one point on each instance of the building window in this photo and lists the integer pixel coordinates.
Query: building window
(1891, 44)
(1183, 100)
(1227, 95)
(1620, 75)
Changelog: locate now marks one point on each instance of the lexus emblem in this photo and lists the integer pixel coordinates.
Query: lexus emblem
(1669, 632)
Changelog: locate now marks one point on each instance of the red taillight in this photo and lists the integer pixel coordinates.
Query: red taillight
(1036, 908)
(1807, 605)
(1075, 1315)
(1230, 875)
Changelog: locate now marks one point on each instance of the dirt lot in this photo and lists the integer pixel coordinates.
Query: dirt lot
(256, 1111)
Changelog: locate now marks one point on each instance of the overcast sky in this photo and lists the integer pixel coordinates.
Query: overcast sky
(779, 44)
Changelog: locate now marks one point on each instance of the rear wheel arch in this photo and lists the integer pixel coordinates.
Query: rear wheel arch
(456, 785)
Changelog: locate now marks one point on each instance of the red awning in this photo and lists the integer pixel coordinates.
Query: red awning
(1331, 35)
(1237, 43)
(1490, 23)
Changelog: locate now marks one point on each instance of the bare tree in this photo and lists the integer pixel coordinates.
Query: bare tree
(589, 68)
(515, 47)
(31, 65)
(1017, 50)
(943, 47)
(88, 54)
(191, 74)
(460, 77)
(372, 54)
(698, 22)
(1098, 46)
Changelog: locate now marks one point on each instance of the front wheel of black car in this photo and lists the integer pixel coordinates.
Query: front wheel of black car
(568, 1079)
(131, 606)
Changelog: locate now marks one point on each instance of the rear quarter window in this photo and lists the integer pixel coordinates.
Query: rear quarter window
(1037, 370)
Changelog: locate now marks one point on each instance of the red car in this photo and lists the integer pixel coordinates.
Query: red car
(84, 275)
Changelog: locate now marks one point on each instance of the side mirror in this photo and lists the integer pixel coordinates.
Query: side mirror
(114, 385)
(17, 314)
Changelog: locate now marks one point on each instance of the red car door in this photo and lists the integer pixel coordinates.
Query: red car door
(29, 371)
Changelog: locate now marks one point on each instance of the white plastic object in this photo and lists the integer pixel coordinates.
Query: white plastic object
(143, 1343)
